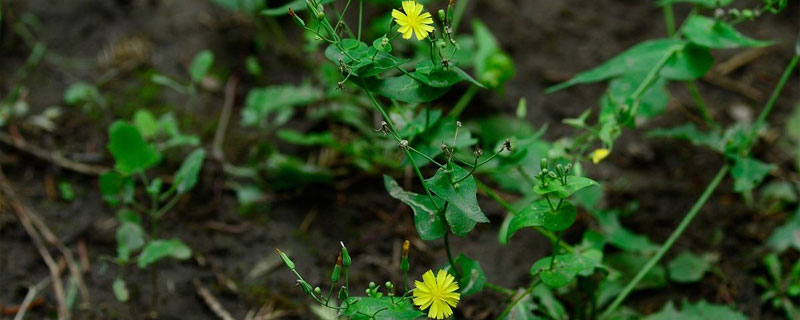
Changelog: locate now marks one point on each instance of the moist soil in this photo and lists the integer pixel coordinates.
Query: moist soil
(548, 40)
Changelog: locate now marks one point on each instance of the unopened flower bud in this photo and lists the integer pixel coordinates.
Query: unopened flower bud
(403, 144)
(299, 21)
(285, 259)
(442, 16)
(388, 285)
(477, 152)
(346, 261)
(458, 124)
(372, 285)
(343, 293)
(543, 164)
(320, 12)
(404, 260)
(552, 174)
(337, 270)
(306, 287)
(317, 291)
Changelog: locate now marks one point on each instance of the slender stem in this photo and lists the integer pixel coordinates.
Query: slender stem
(700, 102)
(669, 19)
(555, 251)
(520, 297)
(649, 80)
(360, 17)
(498, 289)
(464, 101)
(772, 99)
(450, 253)
(667, 244)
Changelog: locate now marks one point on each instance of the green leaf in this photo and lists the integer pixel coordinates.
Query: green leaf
(111, 186)
(440, 77)
(574, 184)
(550, 304)
(131, 153)
(80, 92)
(691, 133)
(67, 193)
(688, 62)
(688, 267)
(653, 101)
(462, 195)
(629, 264)
(120, 290)
(201, 64)
(717, 34)
(523, 309)
(565, 268)
(186, 176)
(619, 236)
(748, 173)
(787, 235)
(159, 249)
(539, 214)
(383, 308)
(262, 102)
(404, 89)
(472, 277)
(146, 123)
(324, 138)
(362, 60)
(699, 311)
(130, 237)
(428, 222)
(704, 3)
(170, 83)
(128, 215)
(493, 67)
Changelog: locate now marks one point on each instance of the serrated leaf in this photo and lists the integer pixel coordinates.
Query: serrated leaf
(748, 173)
(428, 222)
(160, 249)
(130, 237)
(472, 277)
(186, 176)
(131, 153)
(201, 64)
(461, 195)
(717, 34)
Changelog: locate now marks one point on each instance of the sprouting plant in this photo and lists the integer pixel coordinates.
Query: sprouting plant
(198, 70)
(142, 199)
(781, 290)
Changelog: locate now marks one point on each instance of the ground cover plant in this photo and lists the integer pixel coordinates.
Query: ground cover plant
(351, 159)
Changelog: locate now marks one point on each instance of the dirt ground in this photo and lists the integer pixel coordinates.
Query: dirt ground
(548, 40)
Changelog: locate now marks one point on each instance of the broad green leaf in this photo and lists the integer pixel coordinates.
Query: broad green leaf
(131, 153)
(787, 235)
(262, 102)
(688, 267)
(618, 235)
(748, 173)
(460, 224)
(159, 249)
(653, 101)
(130, 237)
(120, 290)
(440, 77)
(704, 3)
(362, 60)
(461, 194)
(539, 214)
(146, 123)
(493, 67)
(186, 176)
(404, 89)
(573, 185)
(168, 127)
(111, 186)
(557, 272)
(688, 62)
(428, 222)
(128, 215)
(629, 264)
(717, 34)
(700, 311)
(383, 308)
(472, 277)
(201, 64)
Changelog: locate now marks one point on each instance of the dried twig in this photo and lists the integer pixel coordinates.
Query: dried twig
(211, 301)
(733, 85)
(224, 118)
(29, 298)
(51, 156)
(741, 59)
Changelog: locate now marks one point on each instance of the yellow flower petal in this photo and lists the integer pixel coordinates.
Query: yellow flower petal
(439, 294)
(600, 154)
(413, 21)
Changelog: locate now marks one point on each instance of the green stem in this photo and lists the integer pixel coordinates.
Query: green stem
(498, 289)
(772, 99)
(450, 253)
(555, 251)
(667, 244)
(649, 80)
(464, 101)
(669, 19)
(700, 102)
(517, 300)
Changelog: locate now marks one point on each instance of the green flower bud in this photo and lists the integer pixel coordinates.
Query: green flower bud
(306, 287)
(372, 285)
(404, 260)
(544, 165)
(346, 261)
(317, 291)
(442, 16)
(343, 293)
(748, 14)
(285, 259)
(320, 12)
(337, 270)
(297, 20)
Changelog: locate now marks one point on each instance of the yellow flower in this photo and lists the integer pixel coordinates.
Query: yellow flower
(413, 21)
(600, 154)
(438, 293)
